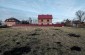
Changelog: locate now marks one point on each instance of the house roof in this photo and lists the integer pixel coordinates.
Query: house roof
(12, 20)
(45, 17)
(76, 22)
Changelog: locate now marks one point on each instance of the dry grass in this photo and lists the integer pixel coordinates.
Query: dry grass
(42, 40)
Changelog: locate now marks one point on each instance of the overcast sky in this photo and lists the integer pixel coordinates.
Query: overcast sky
(23, 9)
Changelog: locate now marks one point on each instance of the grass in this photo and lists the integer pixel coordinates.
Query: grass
(42, 40)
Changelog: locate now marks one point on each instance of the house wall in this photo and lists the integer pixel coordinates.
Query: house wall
(10, 23)
(45, 22)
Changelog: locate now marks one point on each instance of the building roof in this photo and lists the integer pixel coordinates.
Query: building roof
(12, 20)
(45, 17)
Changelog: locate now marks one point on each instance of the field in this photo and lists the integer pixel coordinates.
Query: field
(42, 41)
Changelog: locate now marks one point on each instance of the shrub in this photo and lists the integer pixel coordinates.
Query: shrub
(3, 26)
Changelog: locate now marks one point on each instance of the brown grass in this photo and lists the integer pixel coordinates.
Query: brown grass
(43, 40)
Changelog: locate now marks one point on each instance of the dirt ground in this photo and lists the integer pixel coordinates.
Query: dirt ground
(42, 41)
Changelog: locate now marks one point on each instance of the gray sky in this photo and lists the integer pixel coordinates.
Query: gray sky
(23, 9)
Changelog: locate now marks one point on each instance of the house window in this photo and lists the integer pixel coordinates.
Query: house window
(48, 20)
(9, 20)
(12, 20)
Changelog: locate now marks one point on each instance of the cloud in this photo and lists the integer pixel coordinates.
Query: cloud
(60, 9)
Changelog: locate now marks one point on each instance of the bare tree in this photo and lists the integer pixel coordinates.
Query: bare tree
(0, 22)
(80, 16)
(66, 22)
(24, 22)
(30, 20)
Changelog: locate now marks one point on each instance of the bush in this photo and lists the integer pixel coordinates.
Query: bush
(3, 26)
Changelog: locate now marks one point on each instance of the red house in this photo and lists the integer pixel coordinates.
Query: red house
(45, 19)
